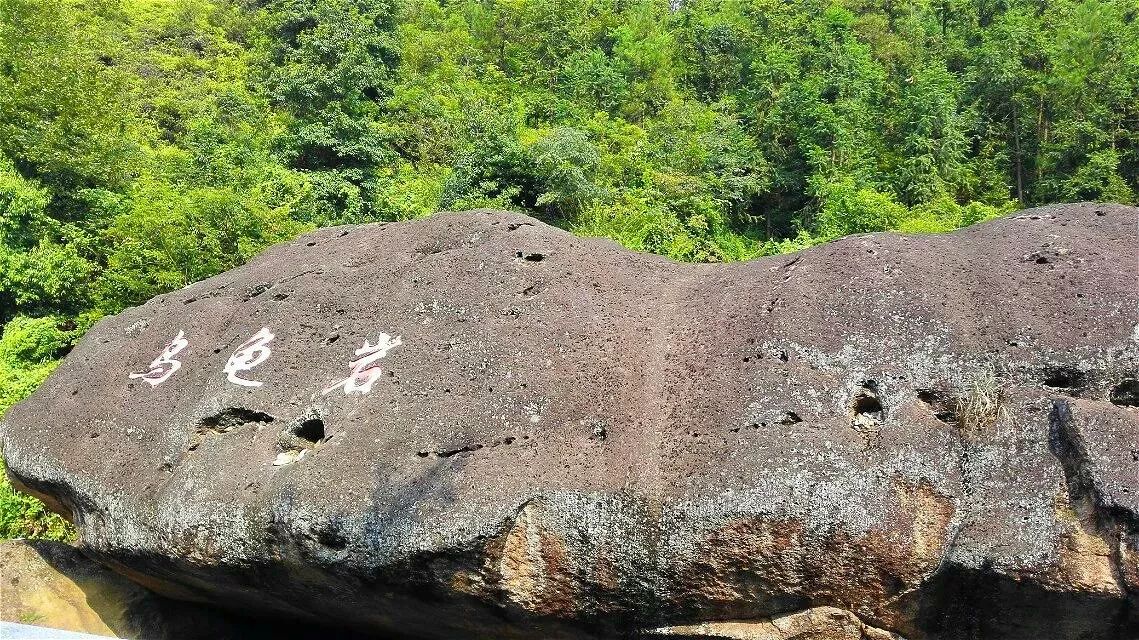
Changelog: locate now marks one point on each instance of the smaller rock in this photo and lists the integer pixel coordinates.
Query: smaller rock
(49, 588)
(53, 585)
(289, 457)
(819, 623)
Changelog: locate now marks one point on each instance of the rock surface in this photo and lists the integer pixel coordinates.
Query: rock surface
(934, 437)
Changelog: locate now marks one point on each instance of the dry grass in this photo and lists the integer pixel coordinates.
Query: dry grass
(980, 405)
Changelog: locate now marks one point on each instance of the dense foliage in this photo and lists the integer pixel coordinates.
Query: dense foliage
(146, 144)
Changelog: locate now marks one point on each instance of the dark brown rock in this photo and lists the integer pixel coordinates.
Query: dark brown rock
(929, 436)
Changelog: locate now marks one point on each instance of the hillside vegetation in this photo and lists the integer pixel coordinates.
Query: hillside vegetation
(147, 144)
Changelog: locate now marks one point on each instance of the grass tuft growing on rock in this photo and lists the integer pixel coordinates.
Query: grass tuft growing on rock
(979, 405)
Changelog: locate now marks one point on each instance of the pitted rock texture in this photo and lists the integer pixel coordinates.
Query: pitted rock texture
(921, 437)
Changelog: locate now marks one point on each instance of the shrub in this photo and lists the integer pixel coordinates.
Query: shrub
(28, 351)
(22, 516)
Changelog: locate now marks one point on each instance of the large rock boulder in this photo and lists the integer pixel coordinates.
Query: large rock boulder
(544, 436)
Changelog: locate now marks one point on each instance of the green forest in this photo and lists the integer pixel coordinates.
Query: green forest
(147, 144)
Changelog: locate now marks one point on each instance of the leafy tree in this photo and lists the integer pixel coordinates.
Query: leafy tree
(565, 162)
(66, 109)
(329, 63)
(40, 270)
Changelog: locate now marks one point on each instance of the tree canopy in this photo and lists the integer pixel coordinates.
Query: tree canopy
(147, 144)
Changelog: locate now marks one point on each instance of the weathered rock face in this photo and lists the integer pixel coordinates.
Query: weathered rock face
(544, 436)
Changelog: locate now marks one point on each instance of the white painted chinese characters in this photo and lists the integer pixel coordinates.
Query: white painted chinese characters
(251, 353)
(254, 351)
(164, 365)
(366, 369)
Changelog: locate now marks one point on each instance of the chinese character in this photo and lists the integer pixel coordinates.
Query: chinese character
(250, 354)
(164, 365)
(366, 369)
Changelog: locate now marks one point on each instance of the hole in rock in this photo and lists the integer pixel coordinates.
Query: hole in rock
(866, 402)
(943, 406)
(1125, 393)
(788, 417)
(226, 421)
(257, 290)
(1064, 377)
(332, 536)
(310, 430)
(867, 413)
(298, 439)
(232, 417)
(948, 417)
(447, 453)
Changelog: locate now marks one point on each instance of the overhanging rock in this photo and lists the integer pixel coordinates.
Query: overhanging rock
(477, 425)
